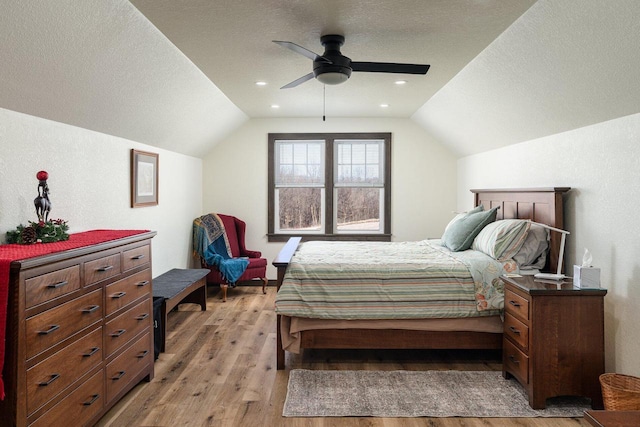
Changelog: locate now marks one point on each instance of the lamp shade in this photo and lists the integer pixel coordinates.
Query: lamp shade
(332, 78)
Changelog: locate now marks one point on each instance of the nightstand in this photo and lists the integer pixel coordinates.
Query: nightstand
(553, 339)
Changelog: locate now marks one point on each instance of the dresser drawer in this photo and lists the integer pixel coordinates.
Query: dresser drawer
(47, 286)
(83, 404)
(127, 290)
(101, 268)
(52, 326)
(135, 257)
(122, 370)
(517, 331)
(54, 374)
(515, 362)
(516, 305)
(125, 327)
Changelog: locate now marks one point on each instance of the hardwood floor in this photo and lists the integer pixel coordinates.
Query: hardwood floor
(219, 370)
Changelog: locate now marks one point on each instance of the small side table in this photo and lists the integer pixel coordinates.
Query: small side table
(553, 339)
(613, 418)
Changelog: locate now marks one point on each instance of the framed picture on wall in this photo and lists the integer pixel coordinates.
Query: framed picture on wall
(144, 179)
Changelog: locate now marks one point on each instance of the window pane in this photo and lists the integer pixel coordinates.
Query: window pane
(299, 163)
(300, 209)
(359, 162)
(358, 209)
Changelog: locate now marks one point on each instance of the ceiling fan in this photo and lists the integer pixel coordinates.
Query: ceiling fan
(332, 67)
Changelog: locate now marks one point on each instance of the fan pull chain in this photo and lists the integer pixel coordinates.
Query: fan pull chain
(324, 102)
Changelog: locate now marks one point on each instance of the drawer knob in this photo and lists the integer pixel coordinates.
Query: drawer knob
(58, 285)
(52, 328)
(105, 268)
(142, 354)
(514, 360)
(118, 375)
(118, 295)
(93, 351)
(514, 330)
(142, 316)
(117, 333)
(138, 256)
(94, 397)
(143, 283)
(52, 379)
(513, 303)
(91, 309)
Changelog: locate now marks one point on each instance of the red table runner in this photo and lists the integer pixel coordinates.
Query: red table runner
(10, 253)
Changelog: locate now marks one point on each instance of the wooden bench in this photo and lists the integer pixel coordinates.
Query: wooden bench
(179, 286)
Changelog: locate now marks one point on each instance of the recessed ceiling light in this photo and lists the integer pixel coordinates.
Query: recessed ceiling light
(401, 82)
(261, 83)
(275, 106)
(384, 105)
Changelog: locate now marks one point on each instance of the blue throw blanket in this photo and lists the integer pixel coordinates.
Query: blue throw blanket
(211, 244)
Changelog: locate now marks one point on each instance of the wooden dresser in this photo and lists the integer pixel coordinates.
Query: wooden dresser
(553, 339)
(79, 332)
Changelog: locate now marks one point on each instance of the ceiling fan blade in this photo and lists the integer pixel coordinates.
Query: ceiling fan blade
(298, 81)
(302, 51)
(389, 67)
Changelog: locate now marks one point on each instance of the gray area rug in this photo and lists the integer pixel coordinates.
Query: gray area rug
(415, 394)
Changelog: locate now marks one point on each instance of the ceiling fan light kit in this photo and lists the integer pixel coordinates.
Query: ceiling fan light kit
(332, 67)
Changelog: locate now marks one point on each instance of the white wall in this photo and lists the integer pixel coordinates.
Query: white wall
(89, 178)
(423, 177)
(602, 165)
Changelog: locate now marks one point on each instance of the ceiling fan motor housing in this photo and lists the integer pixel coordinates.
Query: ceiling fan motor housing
(339, 63)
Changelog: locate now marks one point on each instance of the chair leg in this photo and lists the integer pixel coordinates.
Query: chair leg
(224, 287)
(264, 285)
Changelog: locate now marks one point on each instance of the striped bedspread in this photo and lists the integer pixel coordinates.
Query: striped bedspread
(389, 280)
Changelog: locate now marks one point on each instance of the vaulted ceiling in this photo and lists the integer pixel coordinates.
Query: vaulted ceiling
(181, 74)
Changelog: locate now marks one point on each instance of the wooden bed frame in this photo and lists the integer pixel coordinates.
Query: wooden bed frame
(543, 205)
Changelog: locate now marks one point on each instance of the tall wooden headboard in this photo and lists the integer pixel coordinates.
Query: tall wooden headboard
(543, 205)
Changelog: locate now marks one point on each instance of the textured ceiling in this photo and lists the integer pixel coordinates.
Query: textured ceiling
(231, 42)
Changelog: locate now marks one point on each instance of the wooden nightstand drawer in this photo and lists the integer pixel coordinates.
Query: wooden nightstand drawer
(47, 286)
(515, 362)
(125, 327)
(77, 408)
(49, 328)
(516, 305)
(102, 268)
(121, 371)
(125, 291)
(54, 374)
(517, 331)
(135, 257)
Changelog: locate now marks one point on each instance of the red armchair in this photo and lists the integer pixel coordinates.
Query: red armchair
(257, 268)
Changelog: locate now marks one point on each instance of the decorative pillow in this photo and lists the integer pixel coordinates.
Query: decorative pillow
(533, 253)
(501, 240)
(460, 235)
(463, 214)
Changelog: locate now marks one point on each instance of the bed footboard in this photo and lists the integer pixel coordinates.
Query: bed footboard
(281, 263)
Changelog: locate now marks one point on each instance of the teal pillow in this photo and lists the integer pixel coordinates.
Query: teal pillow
(459, 236)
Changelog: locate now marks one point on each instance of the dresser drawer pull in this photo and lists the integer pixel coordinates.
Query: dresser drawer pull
(143, 283)
(117, 333)
(90, 309)
(142, 316)
(118, 375)
(514, 330)
(513, 303)
(138, 256)
(93, 351)
(52, 379)
(48, 331)
(514, 360)
(142, 354)
(105, 268)
(118, 295)
(94, 397)
(58, 285)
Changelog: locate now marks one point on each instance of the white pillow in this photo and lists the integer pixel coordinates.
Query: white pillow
(502, 239)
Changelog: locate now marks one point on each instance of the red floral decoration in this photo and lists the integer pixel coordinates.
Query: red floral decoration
(42, 175)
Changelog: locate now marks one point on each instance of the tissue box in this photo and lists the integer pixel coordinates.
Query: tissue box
(586, 277)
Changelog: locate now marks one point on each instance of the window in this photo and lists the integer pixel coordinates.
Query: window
(330, 186)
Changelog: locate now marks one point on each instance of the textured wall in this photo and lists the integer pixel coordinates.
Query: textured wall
(602, 165)
(89, 180)
(423, 176)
